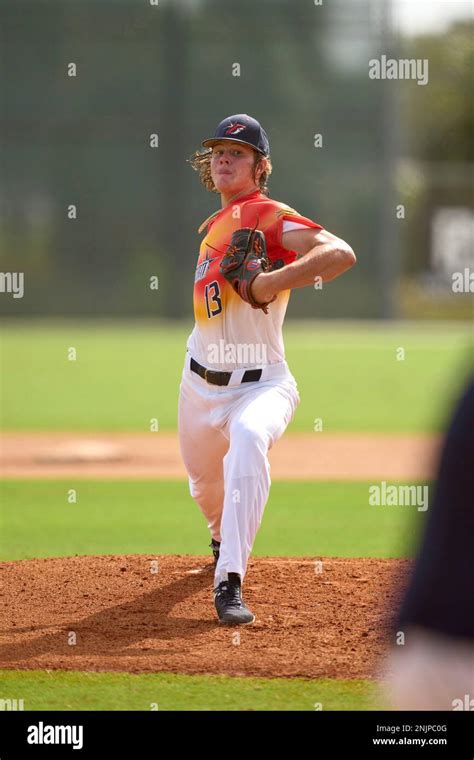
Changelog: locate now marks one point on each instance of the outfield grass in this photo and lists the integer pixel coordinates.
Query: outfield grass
(125, 374)
(134, 517)
(59, 690)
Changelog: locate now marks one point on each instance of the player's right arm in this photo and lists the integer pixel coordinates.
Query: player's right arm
(319, 253)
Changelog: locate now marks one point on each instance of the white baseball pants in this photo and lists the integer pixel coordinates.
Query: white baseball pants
(225, 433)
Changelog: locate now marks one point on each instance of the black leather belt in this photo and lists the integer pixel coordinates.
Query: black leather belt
(216, 377)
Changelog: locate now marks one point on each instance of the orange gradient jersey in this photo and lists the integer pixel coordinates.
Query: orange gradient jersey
(228, 333)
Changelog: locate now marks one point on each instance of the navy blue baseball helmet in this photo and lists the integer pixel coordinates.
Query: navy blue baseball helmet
(243, 129)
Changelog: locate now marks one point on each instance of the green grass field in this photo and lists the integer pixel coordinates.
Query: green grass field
(47, 690)
(132, 517)
(126, 374)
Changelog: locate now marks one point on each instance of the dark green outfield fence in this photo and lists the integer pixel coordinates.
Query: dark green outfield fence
(167, 69)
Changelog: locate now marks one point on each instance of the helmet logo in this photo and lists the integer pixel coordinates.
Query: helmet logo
(234, 129)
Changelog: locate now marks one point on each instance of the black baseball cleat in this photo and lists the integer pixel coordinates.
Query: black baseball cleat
(229, 604)
(215, 546)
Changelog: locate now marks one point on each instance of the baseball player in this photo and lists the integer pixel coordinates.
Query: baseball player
(237, 393)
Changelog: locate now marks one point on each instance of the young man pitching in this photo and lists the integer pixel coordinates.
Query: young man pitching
(237, 394)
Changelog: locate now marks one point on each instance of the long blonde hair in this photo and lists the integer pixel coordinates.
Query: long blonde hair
(201, 162)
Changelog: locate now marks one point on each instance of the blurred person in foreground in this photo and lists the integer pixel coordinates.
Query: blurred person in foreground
(434, 668)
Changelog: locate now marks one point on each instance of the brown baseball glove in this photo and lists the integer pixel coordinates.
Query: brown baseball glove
(245, 258)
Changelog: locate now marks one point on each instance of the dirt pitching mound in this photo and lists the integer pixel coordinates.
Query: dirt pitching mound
(296, 456)
(315, 617)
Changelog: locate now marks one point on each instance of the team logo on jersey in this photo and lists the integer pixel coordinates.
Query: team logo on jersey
(234, 129)
(203, 267)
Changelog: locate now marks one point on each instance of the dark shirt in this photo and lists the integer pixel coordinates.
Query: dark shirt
(441, 591)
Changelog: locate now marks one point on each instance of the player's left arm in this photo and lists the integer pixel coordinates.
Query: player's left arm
(319, 253)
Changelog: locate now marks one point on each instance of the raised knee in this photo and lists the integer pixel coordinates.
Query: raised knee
(249, 438)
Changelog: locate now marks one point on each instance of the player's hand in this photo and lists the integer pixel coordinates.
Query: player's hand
(262, 288)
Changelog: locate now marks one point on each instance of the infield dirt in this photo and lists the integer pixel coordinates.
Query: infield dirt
(315, 617)
(296, 456)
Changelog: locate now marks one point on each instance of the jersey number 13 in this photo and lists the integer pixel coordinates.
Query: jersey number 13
(213, 299)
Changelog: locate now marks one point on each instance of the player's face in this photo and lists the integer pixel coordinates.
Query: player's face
(232, 167)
